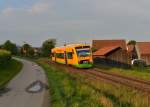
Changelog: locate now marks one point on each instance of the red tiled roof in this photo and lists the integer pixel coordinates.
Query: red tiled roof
(103, 43)
(105, 50)
(144, 48)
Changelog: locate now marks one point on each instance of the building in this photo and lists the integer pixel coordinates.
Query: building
(143, 51)
(97, 44)
(115, 50)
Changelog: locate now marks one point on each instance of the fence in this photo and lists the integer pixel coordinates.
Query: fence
(111, 63)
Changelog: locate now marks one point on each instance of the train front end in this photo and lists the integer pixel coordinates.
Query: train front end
(84, 56)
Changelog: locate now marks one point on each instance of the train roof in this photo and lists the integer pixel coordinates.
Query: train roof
(70, 46)
(75, 45)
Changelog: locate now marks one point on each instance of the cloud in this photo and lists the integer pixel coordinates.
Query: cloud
(8, 11)
(69, 20)
(39, 8)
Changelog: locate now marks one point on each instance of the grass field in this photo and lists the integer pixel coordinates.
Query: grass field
(76, 90)
(8, 72)
(134, 72)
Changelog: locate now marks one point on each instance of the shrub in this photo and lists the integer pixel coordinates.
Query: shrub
(139, 64)
(47, 46)
(5, 57)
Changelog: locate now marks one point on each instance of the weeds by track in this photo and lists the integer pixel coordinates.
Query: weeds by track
(123, 80)
(112, 78)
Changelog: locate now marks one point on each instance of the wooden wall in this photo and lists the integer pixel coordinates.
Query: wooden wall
(119, 56)
(146, 58)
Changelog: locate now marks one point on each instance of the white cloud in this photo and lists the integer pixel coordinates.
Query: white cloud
(39, 8)
(8, 11)
(68, 19)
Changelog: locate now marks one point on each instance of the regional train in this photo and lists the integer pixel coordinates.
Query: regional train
(77, 55)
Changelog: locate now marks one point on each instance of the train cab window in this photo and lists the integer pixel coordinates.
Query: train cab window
(69, 55)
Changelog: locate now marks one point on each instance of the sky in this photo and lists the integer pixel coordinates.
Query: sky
(73, 21)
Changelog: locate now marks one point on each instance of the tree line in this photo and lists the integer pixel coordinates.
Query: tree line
(27, 50)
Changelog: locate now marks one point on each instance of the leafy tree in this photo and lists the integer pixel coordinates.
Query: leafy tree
(47, 46)
(94, 49)
(25, 49)
(8, 45)
(31, 52)
(1, 46)
(132, 42)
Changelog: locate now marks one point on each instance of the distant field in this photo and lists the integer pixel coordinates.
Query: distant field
(77, 90)
(137, 73)
(9, 71)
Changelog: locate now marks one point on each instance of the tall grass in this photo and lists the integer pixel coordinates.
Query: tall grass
(134, 72)
(77, 90)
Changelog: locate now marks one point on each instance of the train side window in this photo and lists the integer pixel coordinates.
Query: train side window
(69, 55)
(60, 55)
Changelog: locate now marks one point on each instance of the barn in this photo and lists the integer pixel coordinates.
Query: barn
(114, 50)
(143, 50)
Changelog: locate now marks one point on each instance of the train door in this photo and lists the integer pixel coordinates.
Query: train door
(55, 57)
(70, 57)
(65, 57)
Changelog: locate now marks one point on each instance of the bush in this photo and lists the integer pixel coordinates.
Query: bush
(5, 57)
(139, 63)
(47, 46)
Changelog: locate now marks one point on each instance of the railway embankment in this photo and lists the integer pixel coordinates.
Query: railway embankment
(138, 73)
(70, 86)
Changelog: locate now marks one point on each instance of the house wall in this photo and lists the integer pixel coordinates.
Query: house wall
(119, 56)
(98, 56)
(146, 58)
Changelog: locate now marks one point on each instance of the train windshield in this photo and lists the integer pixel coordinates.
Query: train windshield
(83, 52)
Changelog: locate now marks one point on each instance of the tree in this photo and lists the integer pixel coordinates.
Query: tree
(25, 49)
(132, 42)
(8, 45)
(1, 46)
(31, 52)
(94, 49)
(47, 46)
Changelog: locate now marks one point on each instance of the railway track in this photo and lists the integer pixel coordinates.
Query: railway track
(125, 77)
(113, 78)
(123, 80)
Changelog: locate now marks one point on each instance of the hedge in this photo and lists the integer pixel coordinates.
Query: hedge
(5, 57)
